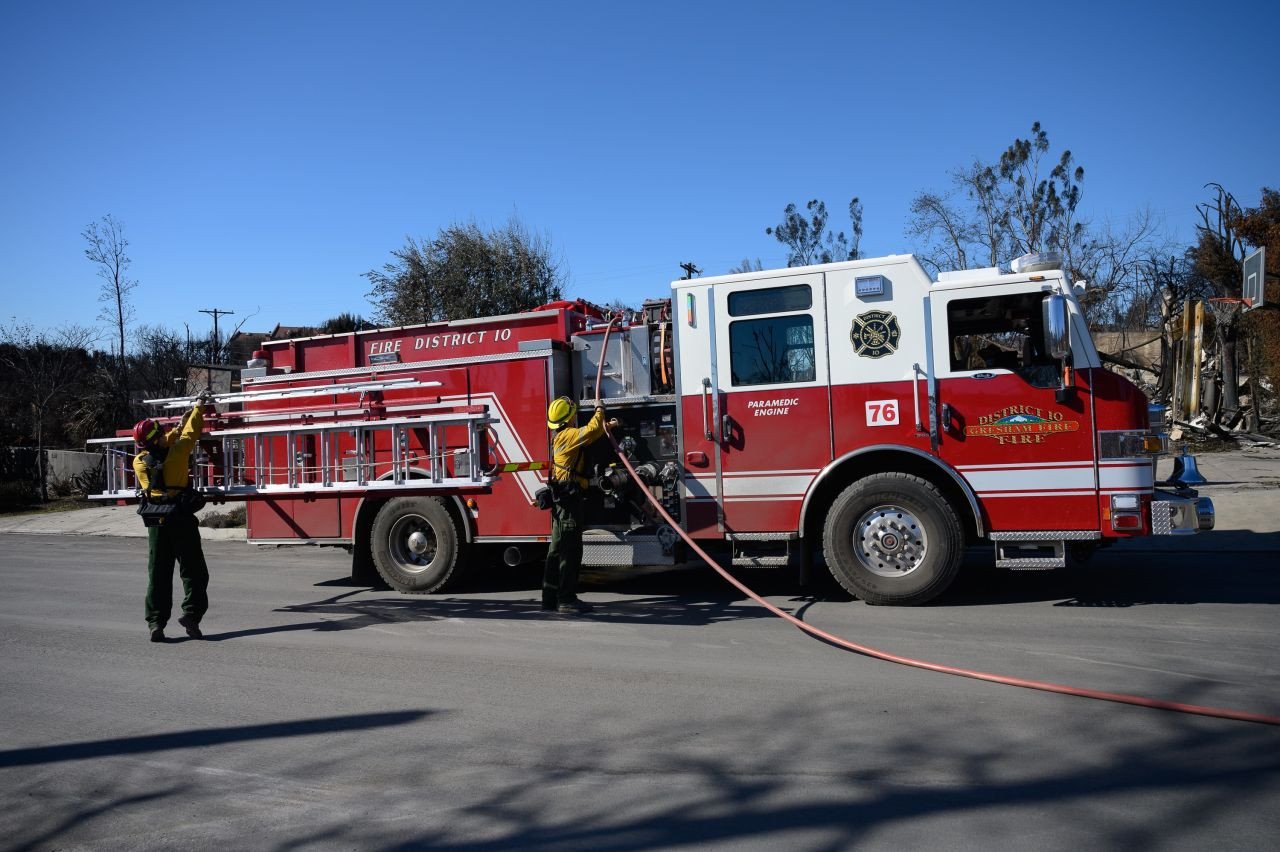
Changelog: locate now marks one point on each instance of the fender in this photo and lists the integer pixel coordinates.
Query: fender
(896, 448)
(468, 522)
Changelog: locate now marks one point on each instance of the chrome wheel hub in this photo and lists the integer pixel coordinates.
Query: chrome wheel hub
(413, 543)
(418, 542)
(890, 541)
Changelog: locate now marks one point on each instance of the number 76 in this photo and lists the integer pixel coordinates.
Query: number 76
(882, 412)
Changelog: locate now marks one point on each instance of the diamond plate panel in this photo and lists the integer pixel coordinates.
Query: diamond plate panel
(1046, 535)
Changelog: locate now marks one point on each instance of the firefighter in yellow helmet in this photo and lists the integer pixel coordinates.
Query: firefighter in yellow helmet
(568, 482)
(162, 470)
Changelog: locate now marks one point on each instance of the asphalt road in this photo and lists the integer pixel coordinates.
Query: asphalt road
(321, 715)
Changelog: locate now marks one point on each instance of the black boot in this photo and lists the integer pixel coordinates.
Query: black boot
(192, 626)
(157, 634)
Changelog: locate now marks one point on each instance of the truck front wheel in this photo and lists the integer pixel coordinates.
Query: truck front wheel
(892, 538)
(415, 544)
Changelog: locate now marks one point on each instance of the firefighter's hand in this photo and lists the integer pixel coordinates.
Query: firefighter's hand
(612, 424)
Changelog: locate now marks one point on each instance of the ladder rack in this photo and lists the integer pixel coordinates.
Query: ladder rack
(269, 394)
(285, 471)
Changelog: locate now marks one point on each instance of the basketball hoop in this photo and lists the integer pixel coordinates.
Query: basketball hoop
(1225, 307)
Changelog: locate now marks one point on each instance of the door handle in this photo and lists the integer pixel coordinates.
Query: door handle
(947, 415)
(706, 419)
(916, 372)
(726, 428)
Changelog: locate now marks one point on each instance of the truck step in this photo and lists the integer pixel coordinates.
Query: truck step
(1031, 555)
(761, 550)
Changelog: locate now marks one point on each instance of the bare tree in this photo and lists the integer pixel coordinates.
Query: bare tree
(995, 212)
(808, 240)
(105, 249)
(45, 366)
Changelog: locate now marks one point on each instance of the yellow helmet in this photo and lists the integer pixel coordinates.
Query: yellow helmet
(560, 412)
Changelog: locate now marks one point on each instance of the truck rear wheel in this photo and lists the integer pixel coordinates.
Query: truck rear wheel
(892, 538)
(415, 544)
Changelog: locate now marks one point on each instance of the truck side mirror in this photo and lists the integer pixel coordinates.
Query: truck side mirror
(1057, 326)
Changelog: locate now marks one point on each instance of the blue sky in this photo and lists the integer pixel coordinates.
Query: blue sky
(263, 155)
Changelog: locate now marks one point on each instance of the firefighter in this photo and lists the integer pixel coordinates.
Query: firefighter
(568, 482)
(162, 469)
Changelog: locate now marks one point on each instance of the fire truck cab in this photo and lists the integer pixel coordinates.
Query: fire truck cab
(887, 419)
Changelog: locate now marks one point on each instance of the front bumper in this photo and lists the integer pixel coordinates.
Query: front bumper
(1177, 514)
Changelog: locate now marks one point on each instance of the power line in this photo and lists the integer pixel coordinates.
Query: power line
(217, 341)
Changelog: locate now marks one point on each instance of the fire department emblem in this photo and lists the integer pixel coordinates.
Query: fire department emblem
(875, 334)
(1021, 424)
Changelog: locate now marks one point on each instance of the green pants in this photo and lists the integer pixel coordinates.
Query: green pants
(564, 556)
(176, 539)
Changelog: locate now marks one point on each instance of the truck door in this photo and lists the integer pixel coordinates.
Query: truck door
(1026, 449)
(773, 432)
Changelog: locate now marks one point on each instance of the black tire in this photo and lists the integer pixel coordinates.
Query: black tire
(893, 539)
(412, 563)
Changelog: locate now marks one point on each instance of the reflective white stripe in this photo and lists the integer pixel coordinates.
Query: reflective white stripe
(507, 442)
(767, 486)
(1026, 465)
(991, 495)
(1126, 476)
(699, 489)
(1012, 479)
(756, 486)
(767, 498)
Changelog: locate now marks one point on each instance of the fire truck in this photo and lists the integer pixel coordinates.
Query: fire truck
(857, 414)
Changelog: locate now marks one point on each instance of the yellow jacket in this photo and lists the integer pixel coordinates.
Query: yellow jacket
(567, 446)
(177, 462)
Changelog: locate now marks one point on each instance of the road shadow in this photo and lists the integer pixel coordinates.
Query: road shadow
(345, 612)
(824, 776)
(203, 737)
(1130, 575)
(1227, 566)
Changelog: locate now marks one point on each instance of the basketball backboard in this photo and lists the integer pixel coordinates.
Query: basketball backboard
(1254, 286)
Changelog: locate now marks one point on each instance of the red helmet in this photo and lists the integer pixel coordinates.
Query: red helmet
(147, 432)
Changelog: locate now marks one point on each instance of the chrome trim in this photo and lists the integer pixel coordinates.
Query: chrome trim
(956, 477)
(1205, 515)
(713, 339)
(826, 337)
(1175, 515)
(1046, 535)
(680, 433)
(932, 375)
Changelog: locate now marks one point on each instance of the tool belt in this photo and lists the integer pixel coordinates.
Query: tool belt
(158, 511)
(556, 491)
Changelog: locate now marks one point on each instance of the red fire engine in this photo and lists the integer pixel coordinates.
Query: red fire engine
(858, 412)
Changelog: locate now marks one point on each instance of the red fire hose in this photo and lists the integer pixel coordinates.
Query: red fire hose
(1120, 698)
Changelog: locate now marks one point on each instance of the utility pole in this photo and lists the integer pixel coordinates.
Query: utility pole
(217, 341)
(689, 271)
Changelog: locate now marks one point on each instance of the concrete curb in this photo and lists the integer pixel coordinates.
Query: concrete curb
(115, 521)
